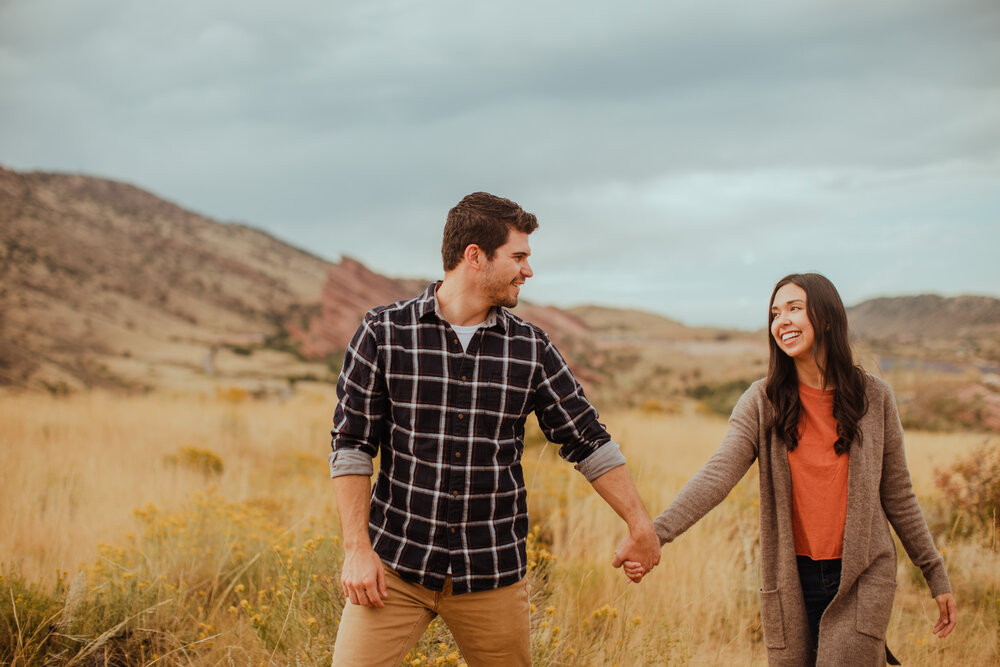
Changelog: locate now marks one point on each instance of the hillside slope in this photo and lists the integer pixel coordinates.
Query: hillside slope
(104, 284)
(927, 316)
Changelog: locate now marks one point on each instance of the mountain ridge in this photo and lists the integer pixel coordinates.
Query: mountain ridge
(104, 284)
(913, 317)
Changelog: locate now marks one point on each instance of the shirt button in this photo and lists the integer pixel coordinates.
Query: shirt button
(455, 341)
(458, 455)
(464, 378)
(461, 416)
(454, 493)
(453, 530)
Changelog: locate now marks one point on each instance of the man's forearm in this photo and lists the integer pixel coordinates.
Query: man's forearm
(353, 504)
(642, 545)
(363, 575)
(618, 491)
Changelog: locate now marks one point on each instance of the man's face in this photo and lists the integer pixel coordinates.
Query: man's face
(502, 277)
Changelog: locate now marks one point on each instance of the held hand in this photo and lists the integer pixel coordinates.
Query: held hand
(363, 578)
(642, 546)
(949, 615)
(634, 571)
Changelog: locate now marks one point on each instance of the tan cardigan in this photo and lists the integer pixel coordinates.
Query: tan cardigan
(852, 631)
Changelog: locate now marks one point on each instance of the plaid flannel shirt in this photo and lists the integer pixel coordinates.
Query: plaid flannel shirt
(449, 426)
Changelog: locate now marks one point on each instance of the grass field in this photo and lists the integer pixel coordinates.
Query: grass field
(202, 530)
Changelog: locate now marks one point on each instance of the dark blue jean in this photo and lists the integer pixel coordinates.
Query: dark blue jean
(820, 580)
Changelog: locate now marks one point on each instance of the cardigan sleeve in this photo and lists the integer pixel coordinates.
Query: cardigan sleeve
(900, 502)
(720, 474)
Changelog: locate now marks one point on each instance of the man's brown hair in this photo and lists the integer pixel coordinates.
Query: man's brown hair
(485, 220)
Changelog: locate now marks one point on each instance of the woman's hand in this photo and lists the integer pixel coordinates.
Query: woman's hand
(635, 571)
(949, 615)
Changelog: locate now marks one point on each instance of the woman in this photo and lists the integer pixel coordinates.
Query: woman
(833, 476)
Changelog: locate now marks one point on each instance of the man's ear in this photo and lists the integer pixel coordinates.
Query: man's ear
(474, 256)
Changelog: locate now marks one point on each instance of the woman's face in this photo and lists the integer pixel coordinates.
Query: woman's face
(790, 325)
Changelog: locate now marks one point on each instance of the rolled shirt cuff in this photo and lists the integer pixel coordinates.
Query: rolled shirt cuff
(608, 456)
(350, 462)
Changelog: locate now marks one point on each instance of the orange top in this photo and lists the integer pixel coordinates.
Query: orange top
(819, 479)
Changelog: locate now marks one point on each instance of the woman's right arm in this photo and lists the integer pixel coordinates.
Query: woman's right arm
(721, 473)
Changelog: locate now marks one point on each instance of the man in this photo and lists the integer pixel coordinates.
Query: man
(440, 385)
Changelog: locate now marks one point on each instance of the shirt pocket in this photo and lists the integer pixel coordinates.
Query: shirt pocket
(508, 392)
(772, 619)
(875, 596)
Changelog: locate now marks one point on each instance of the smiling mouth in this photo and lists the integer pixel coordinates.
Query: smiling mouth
(790, 336)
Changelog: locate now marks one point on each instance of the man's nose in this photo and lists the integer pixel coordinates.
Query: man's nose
(526, 270)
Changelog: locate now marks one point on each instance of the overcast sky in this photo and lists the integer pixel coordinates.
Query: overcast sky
(681, 156)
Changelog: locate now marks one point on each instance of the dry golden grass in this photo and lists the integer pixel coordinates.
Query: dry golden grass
(72, 470)
(707, 587)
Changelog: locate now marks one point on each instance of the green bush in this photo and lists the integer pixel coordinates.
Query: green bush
(28, 617)
(719, 398)
(189, 580)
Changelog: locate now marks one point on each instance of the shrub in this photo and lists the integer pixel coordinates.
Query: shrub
(204, 461)
(232, 394)
(209, 573)
(28, 615)
(654, 406)
(59, 388)
(719, 398)
(971, 487)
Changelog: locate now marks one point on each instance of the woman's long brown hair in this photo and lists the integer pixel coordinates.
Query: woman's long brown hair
(829, 321)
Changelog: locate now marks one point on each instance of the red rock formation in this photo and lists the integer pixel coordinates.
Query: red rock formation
(351, 290)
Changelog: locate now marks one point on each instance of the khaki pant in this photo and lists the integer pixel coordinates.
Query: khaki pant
(490, 627)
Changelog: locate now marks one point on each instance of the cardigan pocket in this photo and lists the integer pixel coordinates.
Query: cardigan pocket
(771, 618)
(875, 596)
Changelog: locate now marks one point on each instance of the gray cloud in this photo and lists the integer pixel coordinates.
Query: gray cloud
(681, 156)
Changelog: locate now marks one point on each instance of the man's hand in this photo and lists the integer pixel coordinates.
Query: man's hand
(640, 551)
(363, 575)
(642, 545)
(948, 617)
(363, 578)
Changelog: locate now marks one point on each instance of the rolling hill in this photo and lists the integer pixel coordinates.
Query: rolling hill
(103, 284)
